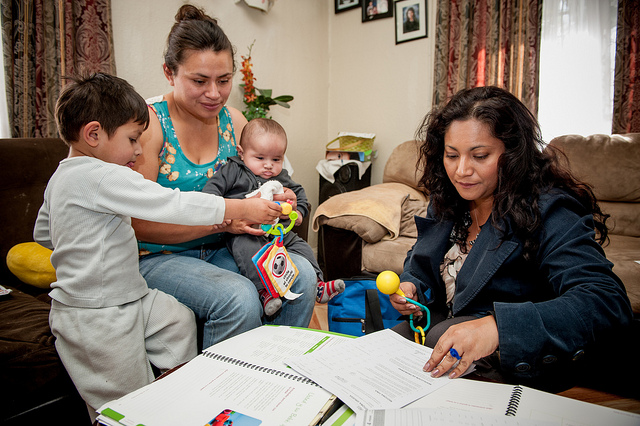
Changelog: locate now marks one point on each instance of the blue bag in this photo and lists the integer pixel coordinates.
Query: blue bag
(361, 309)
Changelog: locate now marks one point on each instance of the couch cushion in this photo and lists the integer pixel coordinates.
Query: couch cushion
(31, 372)
(625, 218)
(402, 165)
(624, 253)
(386, 255)
(610, 163)
(411, 208)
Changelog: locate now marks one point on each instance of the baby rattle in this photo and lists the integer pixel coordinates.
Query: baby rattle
(278, 229)
(388, 282)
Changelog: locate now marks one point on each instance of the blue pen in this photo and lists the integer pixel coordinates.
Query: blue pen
(454, 354)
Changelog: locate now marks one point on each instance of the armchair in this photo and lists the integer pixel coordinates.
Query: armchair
(373, 227)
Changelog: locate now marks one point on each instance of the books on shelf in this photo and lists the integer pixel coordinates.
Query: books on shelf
(242, 379)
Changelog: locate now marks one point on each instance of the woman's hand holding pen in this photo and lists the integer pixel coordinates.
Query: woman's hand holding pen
(400, 303)
(471, 340)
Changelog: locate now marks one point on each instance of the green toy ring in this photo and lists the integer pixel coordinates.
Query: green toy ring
(278, 229)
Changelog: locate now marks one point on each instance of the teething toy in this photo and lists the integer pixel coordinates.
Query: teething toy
(275, 268)
(388, 282)
(277, 228)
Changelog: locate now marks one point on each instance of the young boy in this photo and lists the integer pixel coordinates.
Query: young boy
(260, 157)
(109, 326)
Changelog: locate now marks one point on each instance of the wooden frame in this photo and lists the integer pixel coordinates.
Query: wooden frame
(411, 20)
(342, 5)
(376, 9)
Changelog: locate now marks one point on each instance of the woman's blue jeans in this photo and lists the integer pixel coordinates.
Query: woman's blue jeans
(207, 281)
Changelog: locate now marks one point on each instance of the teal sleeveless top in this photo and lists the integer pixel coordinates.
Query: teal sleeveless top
(177, 171)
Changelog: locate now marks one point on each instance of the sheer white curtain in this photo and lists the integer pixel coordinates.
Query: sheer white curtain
(5, 131)
(577, 55)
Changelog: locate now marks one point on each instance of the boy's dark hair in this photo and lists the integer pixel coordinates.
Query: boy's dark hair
(100, 97)
(262, 125)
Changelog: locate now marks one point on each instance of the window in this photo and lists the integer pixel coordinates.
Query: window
(577, 57)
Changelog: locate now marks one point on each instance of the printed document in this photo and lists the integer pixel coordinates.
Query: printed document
(381, 370)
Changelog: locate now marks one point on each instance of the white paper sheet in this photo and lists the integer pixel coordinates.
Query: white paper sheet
(381, 370)
(441, 417)
(204, 387)
(494, 399)
(244, 375)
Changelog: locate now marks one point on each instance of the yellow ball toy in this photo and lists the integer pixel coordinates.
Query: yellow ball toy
(388, 282)
(286, 208)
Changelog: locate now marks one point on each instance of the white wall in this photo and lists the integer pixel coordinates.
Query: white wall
(376, 86)
(345, 75)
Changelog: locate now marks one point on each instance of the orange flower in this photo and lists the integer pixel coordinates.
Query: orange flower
(248, 79)
(257, 100)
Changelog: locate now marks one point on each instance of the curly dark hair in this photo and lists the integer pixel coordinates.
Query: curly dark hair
(526, 169)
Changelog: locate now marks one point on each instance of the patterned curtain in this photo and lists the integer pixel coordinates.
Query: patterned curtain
(626, 86)
(43, 41)
(488, 43)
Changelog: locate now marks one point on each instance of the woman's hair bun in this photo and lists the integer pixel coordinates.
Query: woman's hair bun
(191, 12)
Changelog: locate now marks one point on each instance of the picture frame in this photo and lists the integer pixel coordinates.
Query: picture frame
(408, 27)
(376, 9)
(342, 5)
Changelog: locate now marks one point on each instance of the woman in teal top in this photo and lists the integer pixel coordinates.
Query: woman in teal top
(191, 134)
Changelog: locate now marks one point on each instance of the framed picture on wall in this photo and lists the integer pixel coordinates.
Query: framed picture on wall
(376, 9)
(342, 5)
(411, 20)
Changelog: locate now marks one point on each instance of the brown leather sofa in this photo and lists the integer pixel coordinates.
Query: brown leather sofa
(34, 386)
(371, 230)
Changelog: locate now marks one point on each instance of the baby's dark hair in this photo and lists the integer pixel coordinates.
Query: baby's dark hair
(262, 125)
(100, 97)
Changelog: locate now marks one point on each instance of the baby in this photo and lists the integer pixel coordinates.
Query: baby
(260, 157)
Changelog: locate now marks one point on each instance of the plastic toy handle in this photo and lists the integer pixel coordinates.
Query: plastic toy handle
(388, 282)
(288, 210)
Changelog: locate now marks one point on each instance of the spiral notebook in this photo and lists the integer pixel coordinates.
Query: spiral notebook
(523, 402)
(241, 380)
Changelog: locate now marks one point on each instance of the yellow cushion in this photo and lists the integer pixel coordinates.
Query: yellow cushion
(31, 263)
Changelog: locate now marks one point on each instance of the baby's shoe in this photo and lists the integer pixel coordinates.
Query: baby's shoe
(327, 289)
(270, 305)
